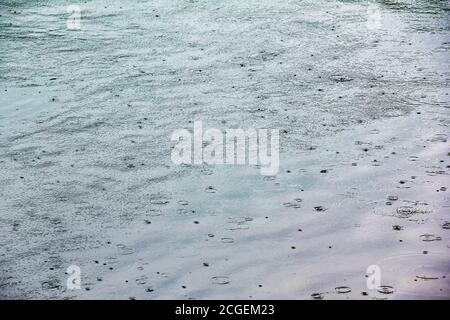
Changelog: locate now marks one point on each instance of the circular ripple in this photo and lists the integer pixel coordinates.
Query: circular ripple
(159, 201)
(343, 289)
(385, 289)
(221, 280)
(405, 212)
(210, 189)
(124, 249)
(185, 211)
(294, 205)
(317, 296)
(423, 277)
(430, 237)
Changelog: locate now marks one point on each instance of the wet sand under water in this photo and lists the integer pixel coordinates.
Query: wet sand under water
(86, 177)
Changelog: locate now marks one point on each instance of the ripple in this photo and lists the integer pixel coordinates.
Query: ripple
(124, 249)
(238, 223)
(295, 204)
(184, 211)
(206, 171)
(317, 296)
(405, 212)
(385, 289)
(343, 289)
(430, 237)
(210, 189)
(159, 199)
(183, 202)
(440, 137)
(427, 278)
(142, 280)
(155, 212)
(220, 280)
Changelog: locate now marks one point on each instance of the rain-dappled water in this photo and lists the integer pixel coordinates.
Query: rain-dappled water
(86, 118)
